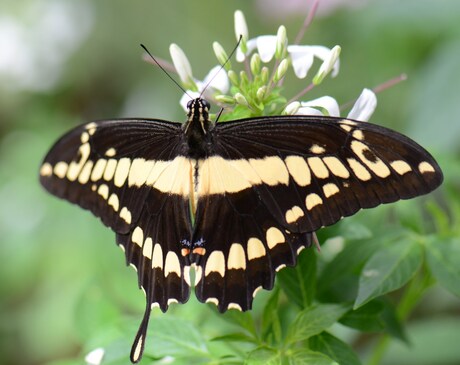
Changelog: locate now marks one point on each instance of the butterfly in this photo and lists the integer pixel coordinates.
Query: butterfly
(236, 201)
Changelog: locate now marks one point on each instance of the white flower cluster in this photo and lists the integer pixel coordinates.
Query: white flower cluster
(263, 49)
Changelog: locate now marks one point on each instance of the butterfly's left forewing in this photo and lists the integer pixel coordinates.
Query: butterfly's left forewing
(127, 172)
(270, 182)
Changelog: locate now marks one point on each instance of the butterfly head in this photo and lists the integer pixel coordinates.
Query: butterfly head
(198, 114)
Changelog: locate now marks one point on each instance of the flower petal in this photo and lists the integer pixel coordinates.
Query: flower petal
(95, 356)
(327, 103)
(364, 107)
(306, 110)
(301, 60)
(217, 79)
(266, 46)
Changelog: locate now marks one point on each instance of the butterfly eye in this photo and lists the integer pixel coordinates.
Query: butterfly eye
(206, 104)
(189, 104)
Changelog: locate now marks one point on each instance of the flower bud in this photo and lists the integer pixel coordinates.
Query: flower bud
(240, 99)
(281, 43)
(281, 70)
(221, 55)
(182, 65)
(255, 64)
(327, 66)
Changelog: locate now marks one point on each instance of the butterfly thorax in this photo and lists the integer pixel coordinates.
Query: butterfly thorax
(197, 127)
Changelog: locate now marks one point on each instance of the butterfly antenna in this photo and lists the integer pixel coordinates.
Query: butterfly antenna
(222, 66)
(166, 72)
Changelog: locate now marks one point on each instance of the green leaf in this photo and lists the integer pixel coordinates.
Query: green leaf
(366, 318)
(444, 262)
(235, 337)
(243, 320)
(174, 337)
(263, 356)
(338, 280)
(299, 282)
(393, 325)
(308, 357)
(271, 326)
(388, 269)
(335, 348)
(314, 320)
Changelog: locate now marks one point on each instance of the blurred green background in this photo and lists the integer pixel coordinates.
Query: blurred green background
(64, 287)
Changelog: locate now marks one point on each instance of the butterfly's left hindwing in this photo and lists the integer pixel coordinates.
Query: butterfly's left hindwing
(270, 181)
(126, 173)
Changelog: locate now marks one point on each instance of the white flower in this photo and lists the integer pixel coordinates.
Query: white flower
(95, 356)
(325, 105)
(302, 59)
(215, 81)
(181, 64)
(364, 107)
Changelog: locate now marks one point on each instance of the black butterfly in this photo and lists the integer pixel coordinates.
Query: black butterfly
(237, 200)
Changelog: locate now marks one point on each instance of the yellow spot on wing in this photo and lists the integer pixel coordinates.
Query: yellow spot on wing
(330, 189)
(103, 191)
(75, 167)
(157, 258)
(114, 202)
(293, 214)
(172, 264)
(138, 236)
(401, 167)
(317, 149)
(46, 169)
(312, 201)
(110, 169)
(425, 167)
(84, 137)
(298, 169)
(172, 176)
(271, 170)
(358, 134)
(85, 172)
(138, 349)
(219, 176)
(122, 171)
(336, 166)
(274, 237)
(236, 257)
(111, 152)
(255, 248)
(235, 306)
(215, 263)
(125, 214)
(147, 248)
(98, 170)
(139, 171)
(213, 301)
(378, 166)
(60, 169)
(318, 167)
(359, 170)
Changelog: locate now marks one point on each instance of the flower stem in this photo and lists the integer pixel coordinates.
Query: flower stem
(307, 21)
